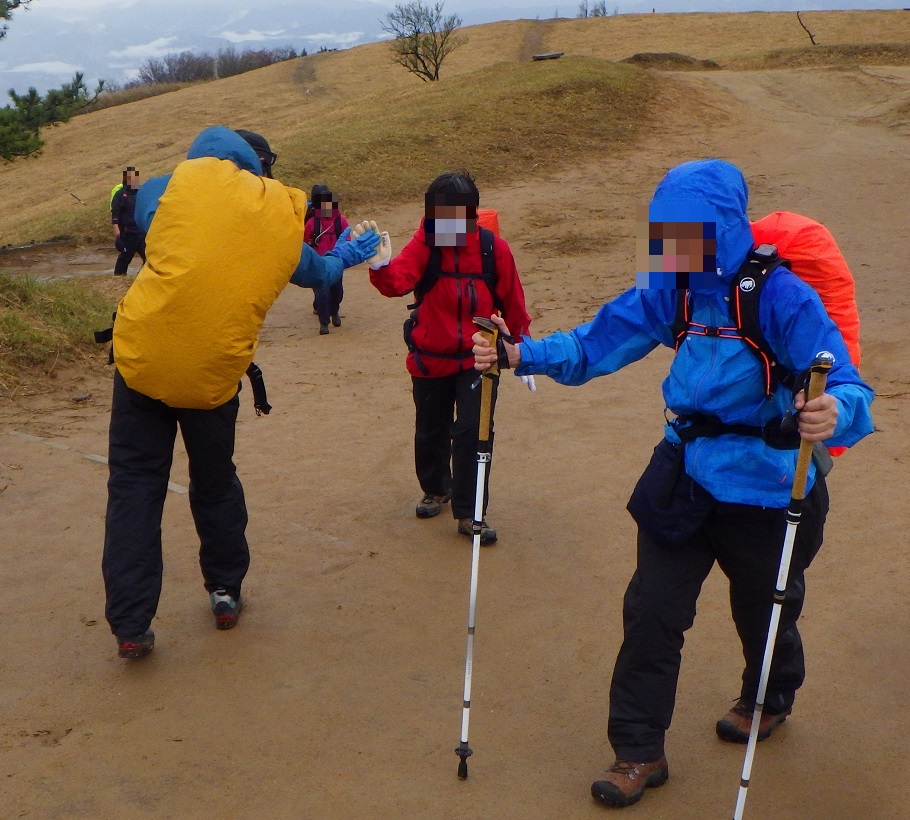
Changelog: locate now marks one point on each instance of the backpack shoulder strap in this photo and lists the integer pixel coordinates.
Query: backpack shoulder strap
(488, 259)
(430, 277)
(682, 319)
(434, 270)
(337, 225)
(745, 295)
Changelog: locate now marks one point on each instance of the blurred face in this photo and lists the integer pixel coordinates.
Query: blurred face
(326, 207)
(447, 226)
(132, 178)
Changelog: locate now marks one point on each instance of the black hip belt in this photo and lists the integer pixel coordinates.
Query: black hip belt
(780, 433)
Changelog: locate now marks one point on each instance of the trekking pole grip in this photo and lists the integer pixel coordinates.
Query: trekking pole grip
(490, 331)
(817, 379)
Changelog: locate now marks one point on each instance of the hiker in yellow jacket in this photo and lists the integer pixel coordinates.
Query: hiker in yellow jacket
(223, 239)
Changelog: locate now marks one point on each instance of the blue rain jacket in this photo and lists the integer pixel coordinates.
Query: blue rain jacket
(711, 375)
(313, 271)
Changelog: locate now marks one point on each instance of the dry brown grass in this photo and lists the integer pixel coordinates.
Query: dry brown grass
(670, 61)
(845, 54)
(124, 96)
(45, 323)
(298, 102)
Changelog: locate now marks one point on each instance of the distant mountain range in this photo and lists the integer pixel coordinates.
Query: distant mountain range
(51, 40)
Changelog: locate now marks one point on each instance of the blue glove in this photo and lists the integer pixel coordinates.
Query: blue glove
(357, 250)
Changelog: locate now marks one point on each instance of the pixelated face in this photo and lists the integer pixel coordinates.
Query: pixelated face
(449, 222)
(132, 177)
(676, 254)
(326, 206)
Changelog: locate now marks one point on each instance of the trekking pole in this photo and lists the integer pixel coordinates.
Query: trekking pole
(819, 374)
(484, 456)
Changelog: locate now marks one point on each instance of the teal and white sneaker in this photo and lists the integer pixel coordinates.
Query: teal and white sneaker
(226, 608)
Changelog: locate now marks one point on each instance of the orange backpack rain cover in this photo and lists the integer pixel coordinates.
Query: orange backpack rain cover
(816, 259)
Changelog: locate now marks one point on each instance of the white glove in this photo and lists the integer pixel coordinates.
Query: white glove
(529, 381)
(382, 256)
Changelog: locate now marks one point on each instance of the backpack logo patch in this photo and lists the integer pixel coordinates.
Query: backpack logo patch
(747, 285)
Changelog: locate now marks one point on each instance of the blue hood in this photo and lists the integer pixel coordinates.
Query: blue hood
(693, 192)
(222, 143)
(218, 142)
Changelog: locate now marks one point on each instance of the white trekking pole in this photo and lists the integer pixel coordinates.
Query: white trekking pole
(819, 374)
(484, 456)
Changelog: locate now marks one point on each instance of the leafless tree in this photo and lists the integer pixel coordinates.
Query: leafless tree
(811, 35)
(423, 37)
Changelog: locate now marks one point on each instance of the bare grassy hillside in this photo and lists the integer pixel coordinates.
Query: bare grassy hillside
(375, 130)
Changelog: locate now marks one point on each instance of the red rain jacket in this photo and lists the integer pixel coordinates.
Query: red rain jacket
(444, 323)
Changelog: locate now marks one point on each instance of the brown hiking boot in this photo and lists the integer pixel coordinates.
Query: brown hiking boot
(734, 727)
(430, 505)
(625, 782)
(487, 533)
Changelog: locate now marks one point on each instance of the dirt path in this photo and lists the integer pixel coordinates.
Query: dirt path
(339, 695)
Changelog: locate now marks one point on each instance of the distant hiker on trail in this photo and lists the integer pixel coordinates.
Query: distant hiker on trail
(457, 271)
(719, 482)
(128, 238)
(224, 240)
(324, 224)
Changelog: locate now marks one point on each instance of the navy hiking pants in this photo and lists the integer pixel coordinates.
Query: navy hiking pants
(133, 243)
(142, 435)
(445, 438)
(327, 302)
(659, 606)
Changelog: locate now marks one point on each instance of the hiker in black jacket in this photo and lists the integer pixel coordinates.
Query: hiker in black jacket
(128, 239)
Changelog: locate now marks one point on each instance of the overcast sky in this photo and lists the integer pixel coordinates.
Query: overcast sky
(51, 39)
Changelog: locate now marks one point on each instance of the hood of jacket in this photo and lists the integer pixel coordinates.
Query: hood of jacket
(222, 143)
(703, 191)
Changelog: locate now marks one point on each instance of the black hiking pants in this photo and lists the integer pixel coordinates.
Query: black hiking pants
(445, 438)
(142, 435)
(659, 606)
(133, 243)
(326, 302)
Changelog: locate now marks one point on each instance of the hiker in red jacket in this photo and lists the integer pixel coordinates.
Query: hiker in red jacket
(456, 271)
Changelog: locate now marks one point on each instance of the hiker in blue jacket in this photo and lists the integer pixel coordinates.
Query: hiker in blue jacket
(719, 483)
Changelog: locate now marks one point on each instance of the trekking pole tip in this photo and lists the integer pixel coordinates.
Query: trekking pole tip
(464, 752)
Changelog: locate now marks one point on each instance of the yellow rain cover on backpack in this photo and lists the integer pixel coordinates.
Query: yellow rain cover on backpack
(222, 245)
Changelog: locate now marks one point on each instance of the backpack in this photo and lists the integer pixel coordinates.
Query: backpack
(434, 271)
(114, 190)
(813, 255)
(432, 275)
(816, 259)
(318, 234)
(223, 245)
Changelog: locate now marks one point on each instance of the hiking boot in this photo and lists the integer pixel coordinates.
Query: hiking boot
(227, 608)
(487, 533)
(323, 330)
(734, 727)
(430, 505)
(136, 647)
(336, 320)
(625, 782)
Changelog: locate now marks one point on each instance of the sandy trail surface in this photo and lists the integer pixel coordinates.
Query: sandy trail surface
(339, 695)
